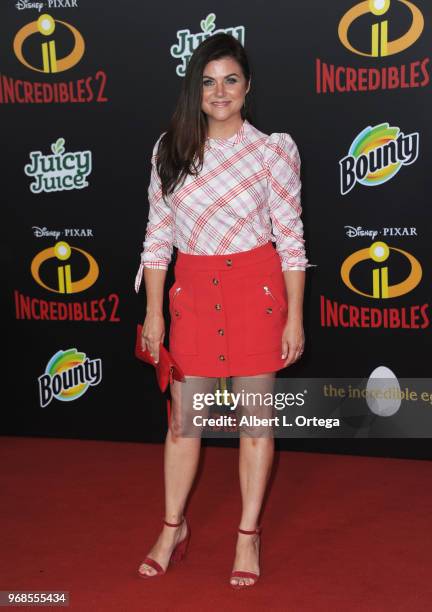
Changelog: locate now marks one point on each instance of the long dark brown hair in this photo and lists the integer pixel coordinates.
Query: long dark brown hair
(181, 148)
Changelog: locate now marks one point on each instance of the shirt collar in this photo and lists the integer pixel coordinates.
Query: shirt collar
(222, 143)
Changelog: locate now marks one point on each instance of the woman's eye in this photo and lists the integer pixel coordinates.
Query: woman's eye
(229, 80)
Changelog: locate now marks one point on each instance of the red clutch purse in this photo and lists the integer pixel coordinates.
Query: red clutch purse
(166, 368)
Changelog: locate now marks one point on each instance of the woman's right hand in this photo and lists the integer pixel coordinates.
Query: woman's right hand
(153, 333)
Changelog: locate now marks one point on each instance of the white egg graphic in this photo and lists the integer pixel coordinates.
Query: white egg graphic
(383, 392)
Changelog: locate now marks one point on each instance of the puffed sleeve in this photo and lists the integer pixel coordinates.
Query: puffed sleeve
(158, 241)
(282, 161)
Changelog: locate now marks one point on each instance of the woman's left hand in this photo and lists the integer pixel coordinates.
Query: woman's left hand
(293, 341)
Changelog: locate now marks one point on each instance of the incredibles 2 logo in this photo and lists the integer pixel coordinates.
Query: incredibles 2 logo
(62, 252)
(65, 270)
(46, 26)
(376, 155)
(50, 46)
(368, 273)
(379, 42)
(374, 41)
(379, 252)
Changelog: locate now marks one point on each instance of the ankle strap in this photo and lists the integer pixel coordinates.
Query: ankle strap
(257, 530)
(173, 524)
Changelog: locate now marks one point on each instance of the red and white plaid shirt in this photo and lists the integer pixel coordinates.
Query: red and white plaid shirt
(247, 193)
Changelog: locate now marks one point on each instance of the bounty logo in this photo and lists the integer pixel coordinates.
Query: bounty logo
(60, 171)
(380, 252)
(376, 155)
(380, 45)
(62, 252)
(187, 42)
(49, 62)
(67, 377)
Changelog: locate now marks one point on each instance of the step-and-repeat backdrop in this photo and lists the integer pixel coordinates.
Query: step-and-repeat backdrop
(87, 87)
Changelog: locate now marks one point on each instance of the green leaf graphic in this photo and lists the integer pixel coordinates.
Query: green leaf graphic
(57, 147)
(208, 24)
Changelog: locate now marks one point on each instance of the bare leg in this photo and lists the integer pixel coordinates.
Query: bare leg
(255, 462)
(181, 459)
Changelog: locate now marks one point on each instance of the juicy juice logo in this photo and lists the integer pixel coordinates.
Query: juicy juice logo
(187, 42)
(60, 171)
(376, 155)
(68, 375)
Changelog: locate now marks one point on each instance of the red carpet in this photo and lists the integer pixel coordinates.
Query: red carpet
(340, 533)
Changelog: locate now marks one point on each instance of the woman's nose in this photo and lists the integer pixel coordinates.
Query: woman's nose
(220, 89)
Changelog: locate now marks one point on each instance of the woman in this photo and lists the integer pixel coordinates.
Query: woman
(221, 191)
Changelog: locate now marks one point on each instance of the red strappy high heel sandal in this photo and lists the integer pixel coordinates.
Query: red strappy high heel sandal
(243, 573)
(177, 554)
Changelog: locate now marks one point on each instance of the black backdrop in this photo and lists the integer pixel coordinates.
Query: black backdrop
(116, 101)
